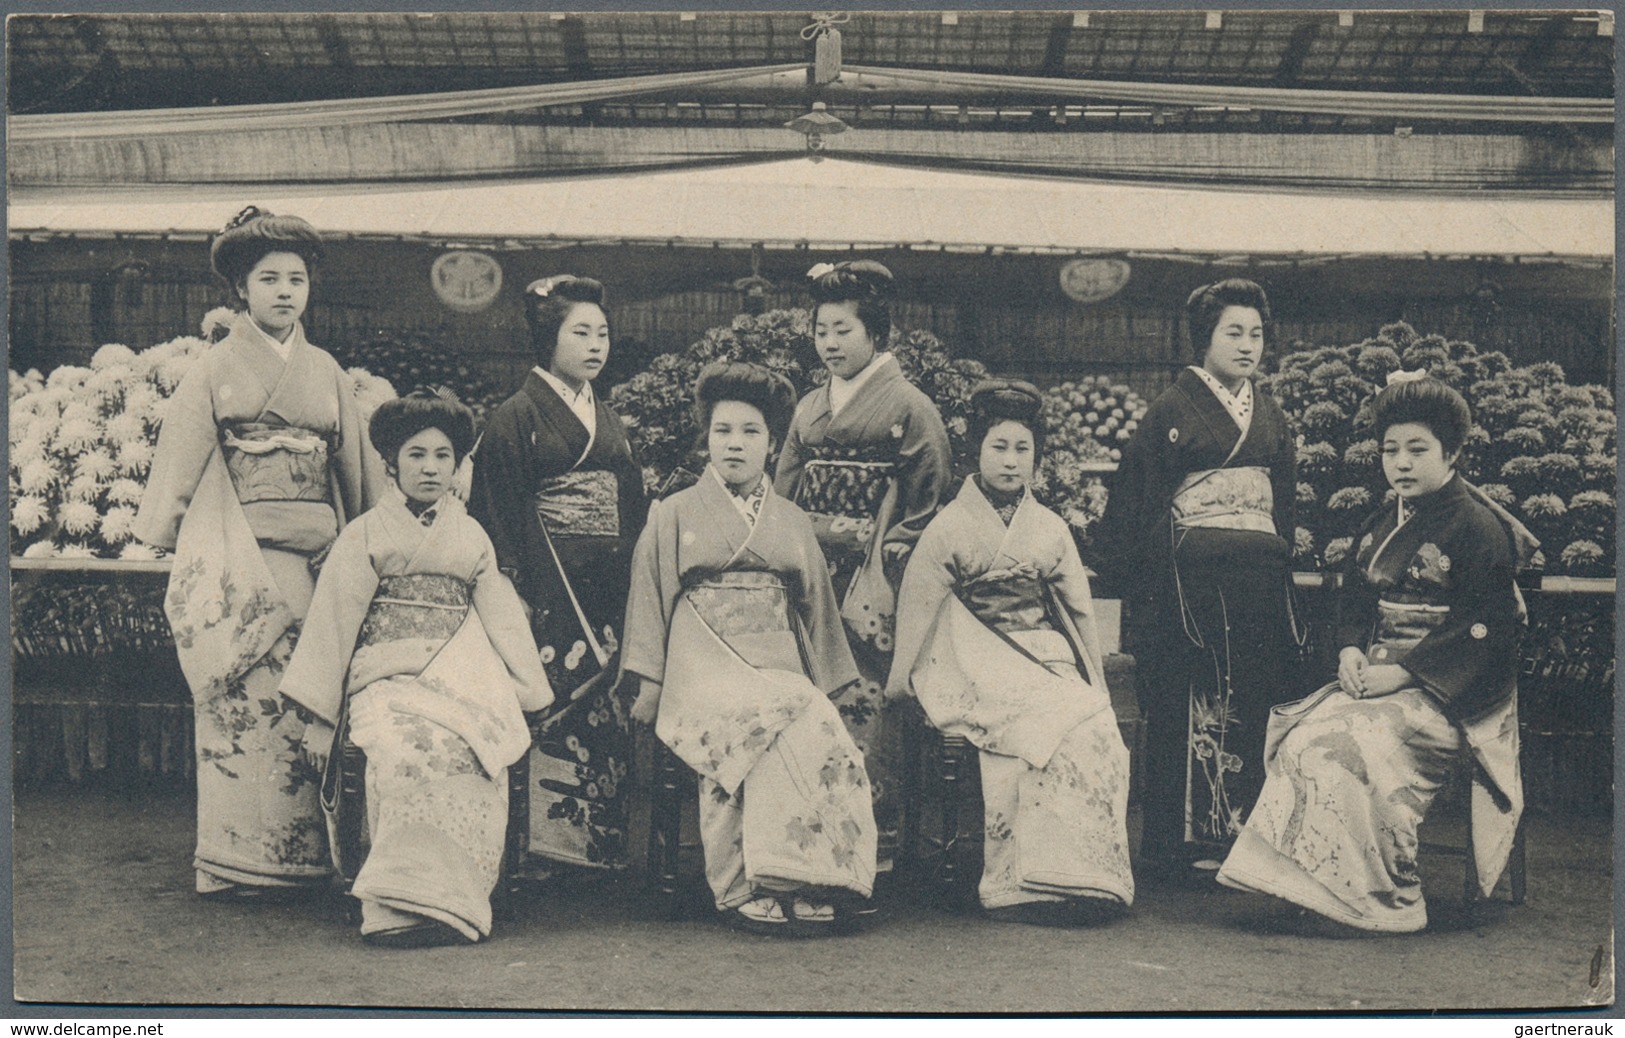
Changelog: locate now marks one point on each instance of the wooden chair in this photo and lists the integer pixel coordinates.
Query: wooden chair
(671, 782)
(942, 770)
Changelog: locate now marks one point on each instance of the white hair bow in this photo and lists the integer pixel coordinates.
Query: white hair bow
(818, 270)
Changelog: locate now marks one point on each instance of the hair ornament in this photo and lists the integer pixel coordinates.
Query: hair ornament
(818, 270)
(248, 213)
(1399, 375)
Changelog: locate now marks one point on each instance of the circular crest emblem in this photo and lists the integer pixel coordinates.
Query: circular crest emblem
(1093, 280)
(466, 281)
(1173, 435)
(1480, 631)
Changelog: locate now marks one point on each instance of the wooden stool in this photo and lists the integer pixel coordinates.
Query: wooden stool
(954, 788)
(1461, 784)
(671, 782)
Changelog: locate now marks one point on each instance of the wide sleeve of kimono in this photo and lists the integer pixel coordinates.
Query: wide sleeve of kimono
(924, 470)
(315, 677)
(927, 580)
(655, 587)
(186, 440)
(792, 459)
(359, 469)
(1070, 583)
(1283, 472)
(1357, 598)
(497, 497)
(1133, 503)
(503, 618)
(831, 657)
(1470, 656)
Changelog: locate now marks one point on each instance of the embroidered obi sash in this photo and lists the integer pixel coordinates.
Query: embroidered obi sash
(280, 476)
(580, 504)
(1400, 626)
(276, 462)
(1014, 601)
(427, 606)
(1226, 499)
(849, 482)
(750, 611)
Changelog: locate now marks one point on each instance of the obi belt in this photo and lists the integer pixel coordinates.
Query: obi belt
(580, 504)
(750, 611)
(849, 482)
(280, 475)
(427, 606)
(1401, 626)
(1226, 499)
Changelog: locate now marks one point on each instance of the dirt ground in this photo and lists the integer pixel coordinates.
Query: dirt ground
(104, 912)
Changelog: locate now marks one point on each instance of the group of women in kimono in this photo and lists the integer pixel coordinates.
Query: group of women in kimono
(334, 600)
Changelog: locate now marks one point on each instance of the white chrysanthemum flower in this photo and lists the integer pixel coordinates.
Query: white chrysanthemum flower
(140, 398)
(123, 427)
(37, 477)
(190, 346)
(169, 372)
(34, 446)
(79, 408)
(28, 513)
(118, 525)
(125, 491)
(40, 550)
(137, 550)
(107, 386)
(96, 463)
(75, 550)
(83, 488)
(80, 518)
(219, 319)
(77, 435)
(68, 376)
(111, 355)
(134, 457)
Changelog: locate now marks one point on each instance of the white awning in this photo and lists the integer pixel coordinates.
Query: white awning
(836, 203)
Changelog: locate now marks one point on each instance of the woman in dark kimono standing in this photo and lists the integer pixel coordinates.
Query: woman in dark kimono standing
(556, 486)
(1198, 532)
(867, 458)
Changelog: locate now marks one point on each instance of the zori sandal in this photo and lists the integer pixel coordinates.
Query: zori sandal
(818, 914)
(759, 915)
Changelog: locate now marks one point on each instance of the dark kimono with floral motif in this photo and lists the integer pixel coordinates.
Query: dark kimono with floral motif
(1429, 588)
(564, 510)
(260, 461)
(1197, 534)
(738, 621)
(872, 475)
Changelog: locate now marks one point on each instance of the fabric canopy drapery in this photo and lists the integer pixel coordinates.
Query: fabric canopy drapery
(837, 203)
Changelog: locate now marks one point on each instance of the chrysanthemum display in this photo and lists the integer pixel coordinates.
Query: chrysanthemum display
(1541, 448)
(82, 441)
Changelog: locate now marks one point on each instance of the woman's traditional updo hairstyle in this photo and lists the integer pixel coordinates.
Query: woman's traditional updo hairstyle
(767, 391)
(548, 301)
(1006, 400)
(864, 282)
(1424, 401)
(254, 234)
(397, 421)
(1206, 305)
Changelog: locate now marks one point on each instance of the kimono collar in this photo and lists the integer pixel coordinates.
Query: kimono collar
(246, 327)
(1239, 403)
(1002, 502)
(748, 505)
(448, 505)
(1453, 490)
(842, 390)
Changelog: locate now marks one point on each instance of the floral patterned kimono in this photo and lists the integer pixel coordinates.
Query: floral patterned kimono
(564, 509)
(1349, 780)
(1197, 534)
(259, 462)
(736, 618)
(996, 636)
(415, 626)
(869, 476)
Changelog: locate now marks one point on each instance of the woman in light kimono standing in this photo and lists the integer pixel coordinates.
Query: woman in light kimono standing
(418, 641)
(733, 636)
(1197, 533)
(996, 637)
(1431, 625)
(557, 487)
(867, 457)
(261, 459)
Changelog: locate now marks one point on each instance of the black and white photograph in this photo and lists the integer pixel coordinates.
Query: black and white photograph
(775, 512)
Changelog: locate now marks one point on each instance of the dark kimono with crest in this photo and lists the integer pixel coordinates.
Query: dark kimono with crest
(1430, 588)
(260, 461)
(1197, 534)
(564, 511)
(872, 475)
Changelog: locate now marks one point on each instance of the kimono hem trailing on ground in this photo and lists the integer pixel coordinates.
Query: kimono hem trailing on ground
(996, 636)
(740, 625)
(260, 459)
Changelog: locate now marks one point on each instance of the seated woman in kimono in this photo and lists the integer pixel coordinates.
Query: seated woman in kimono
(417, 641)
(734, 638)
(1431, 623)
(261, 460)
(996, 637)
